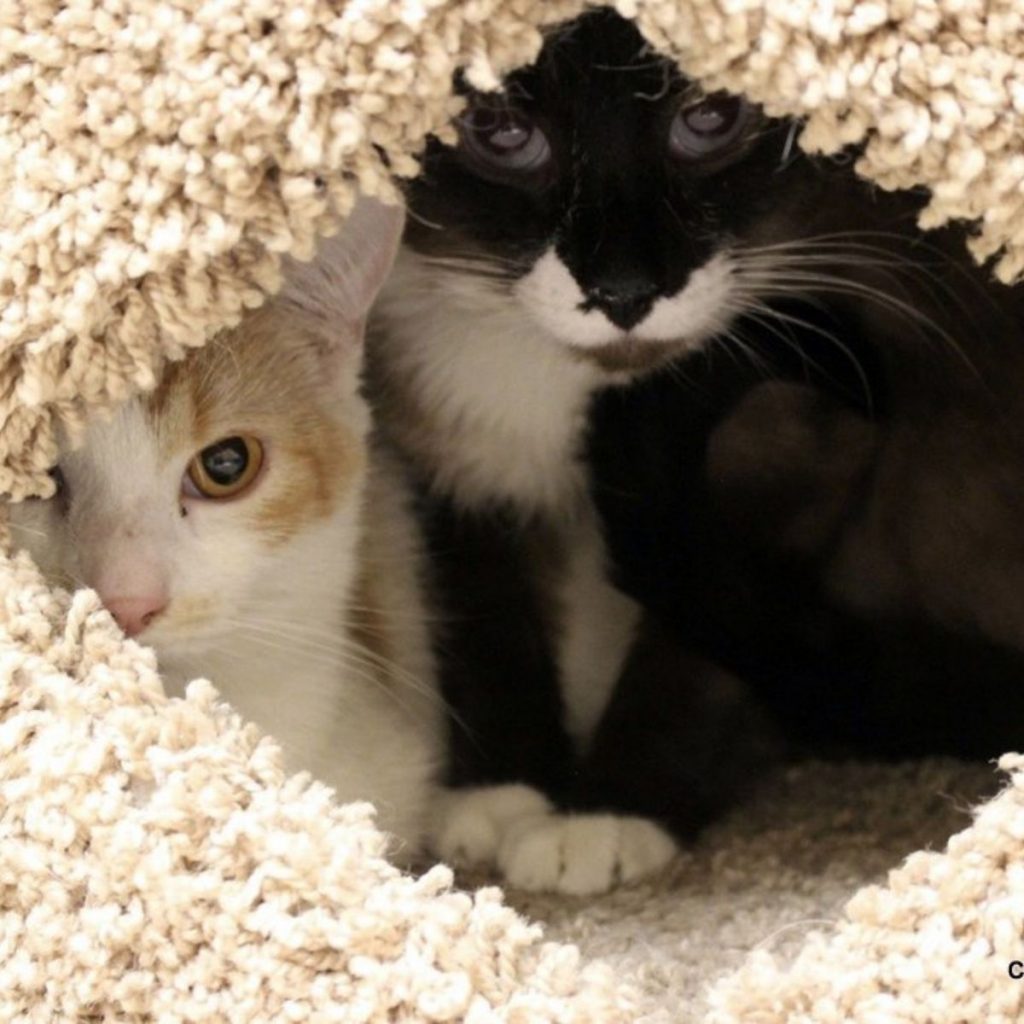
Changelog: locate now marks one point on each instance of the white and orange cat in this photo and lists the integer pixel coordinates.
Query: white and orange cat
(233, 521)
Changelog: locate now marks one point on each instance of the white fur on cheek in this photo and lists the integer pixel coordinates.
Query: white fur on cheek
(699, 311)
(551, 295)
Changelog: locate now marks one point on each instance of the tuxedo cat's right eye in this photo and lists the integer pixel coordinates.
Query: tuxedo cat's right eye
(503, 143)
(224, 469)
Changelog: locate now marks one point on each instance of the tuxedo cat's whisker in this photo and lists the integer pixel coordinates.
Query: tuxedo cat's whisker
(787, 150)
(895, 241)
(844, 249)
(805, 923)
(420, 219)
(459, 259)
(855, 256)
(666, 82)
(819, 255)
(771, 319)
(668, 204)
(783, 279)
(774, 315)
(738, 346)
(841, 239)
(471, 267)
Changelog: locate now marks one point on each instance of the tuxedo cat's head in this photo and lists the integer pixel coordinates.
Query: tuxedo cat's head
(236, 486)
(626, 212)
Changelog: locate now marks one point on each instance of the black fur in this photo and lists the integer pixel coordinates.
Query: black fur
(736, 549)
(730, 562)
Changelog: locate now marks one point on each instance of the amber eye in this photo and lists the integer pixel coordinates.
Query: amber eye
(224, 469)
(709, 127)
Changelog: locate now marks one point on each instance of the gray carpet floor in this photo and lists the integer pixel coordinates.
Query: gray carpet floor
(776, 869)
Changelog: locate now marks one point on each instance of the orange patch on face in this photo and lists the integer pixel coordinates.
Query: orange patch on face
(311, 474)
(274, 378)
(169, 408)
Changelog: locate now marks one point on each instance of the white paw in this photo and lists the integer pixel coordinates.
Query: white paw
(470, 823)
(584, 854)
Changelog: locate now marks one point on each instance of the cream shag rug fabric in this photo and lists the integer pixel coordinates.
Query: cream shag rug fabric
(156, 159)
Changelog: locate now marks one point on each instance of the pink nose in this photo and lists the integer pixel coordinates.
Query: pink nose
(134, 614)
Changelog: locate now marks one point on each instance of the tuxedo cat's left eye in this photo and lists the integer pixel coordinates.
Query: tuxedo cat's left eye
(503, 143)
(708, 127)
(224, 469)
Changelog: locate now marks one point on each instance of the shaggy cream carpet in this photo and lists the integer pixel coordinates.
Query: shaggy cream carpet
(156, 159)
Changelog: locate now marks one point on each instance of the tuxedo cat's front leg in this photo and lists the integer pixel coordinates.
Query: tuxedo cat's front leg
(511, 762)
(681, 741)
(494, 648)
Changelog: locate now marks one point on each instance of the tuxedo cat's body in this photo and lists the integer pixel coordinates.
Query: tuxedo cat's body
(507, 312)
(238, 521)
(858, 563)
(601, 224)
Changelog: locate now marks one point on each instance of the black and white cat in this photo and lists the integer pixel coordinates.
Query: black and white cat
(601, 223)
(580, 235)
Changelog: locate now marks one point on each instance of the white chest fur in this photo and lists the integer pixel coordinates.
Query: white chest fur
(597, 627)
(502, 406)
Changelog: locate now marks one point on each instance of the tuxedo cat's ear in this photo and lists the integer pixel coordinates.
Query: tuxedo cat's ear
(338, 286)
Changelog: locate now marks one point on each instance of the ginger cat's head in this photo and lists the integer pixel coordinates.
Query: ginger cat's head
(234, 491)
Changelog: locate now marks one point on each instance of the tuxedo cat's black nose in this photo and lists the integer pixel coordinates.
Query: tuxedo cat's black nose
(625, 304)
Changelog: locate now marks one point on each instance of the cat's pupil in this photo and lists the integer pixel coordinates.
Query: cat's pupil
(712, 116)
(226, 460)
(503, 131)
(512, 136)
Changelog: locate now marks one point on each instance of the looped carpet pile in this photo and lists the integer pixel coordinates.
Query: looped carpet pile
(157, 158)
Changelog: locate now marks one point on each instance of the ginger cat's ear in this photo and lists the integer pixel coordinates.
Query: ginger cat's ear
(339, 285)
